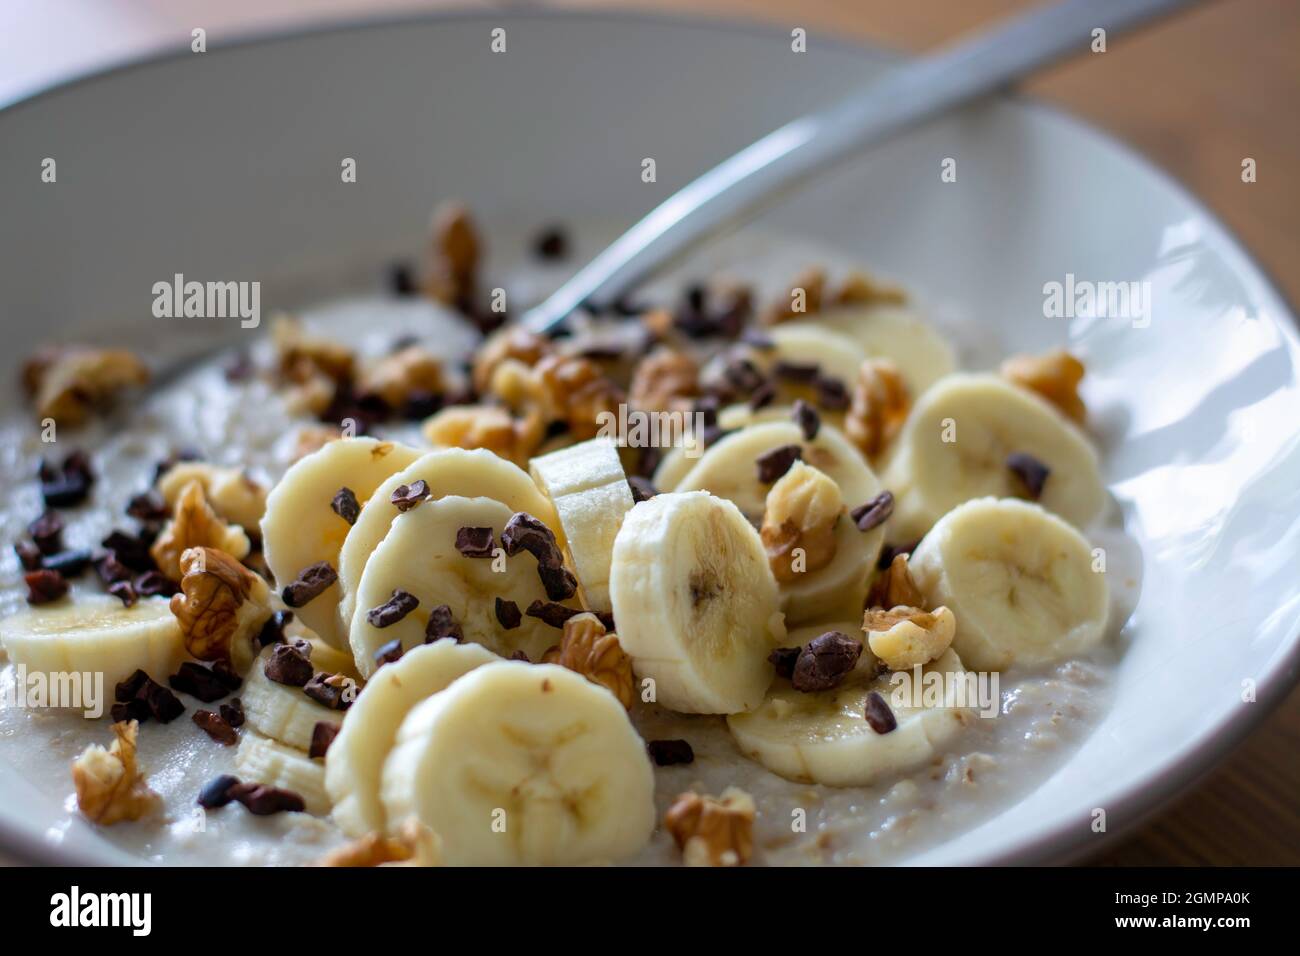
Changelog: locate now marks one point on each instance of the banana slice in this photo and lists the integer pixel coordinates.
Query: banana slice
(354, 762)
(261, 760)
(447, 471)
(282, 712)
(95, 633)
(589, 489)
(824, 737)
(523, 764)
(728, 470)
(695, 601)
(300, 528)
(419, 556)
(1020, 580)
(922, 355)
(806, 343)
(955, 445)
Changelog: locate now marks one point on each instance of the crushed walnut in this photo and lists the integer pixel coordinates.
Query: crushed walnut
(802, 298)
(302, 356)
(413, 844)
(578, 391)
(878, 408)
(512, 342)
(666, 380)
(1053, 375)
(109, 783)
(486, 426)
(588, 650)
(895, 586)
(232, 493)
(799, 522)
(713, 831)
(221, 608)
(195, 524)
(904, 637)
(858, 288)
(67, 384)
(312, 438)
(407, 373)
(454, 254)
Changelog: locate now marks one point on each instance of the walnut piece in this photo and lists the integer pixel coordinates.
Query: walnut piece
(511, 342)
(588, 650)
(578, 391)
(406, 373)
(904, 637)
(454, 253)
(878, 408)
(221, 608)
(232, 494)
(414, 844)
(1053, 375)
(802, 510)
(306, 359)
(312, 438)
(801, 299)
(858, 288)
(110, 785)
(194, 524)
(713, 831)
(486, 426)
(895, 586)
(665, 381)
(67, 384)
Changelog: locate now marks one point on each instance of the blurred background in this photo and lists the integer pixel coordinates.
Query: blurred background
(1195, 95)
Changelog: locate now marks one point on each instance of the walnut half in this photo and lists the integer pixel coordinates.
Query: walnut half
(67, 384)
(799, 522)
(878, 408)
(904, 637)
(1053, 375)
(588, 650)
(110, 786)
(713, 831)
(221, 608)
(195, 525)
(414, 844)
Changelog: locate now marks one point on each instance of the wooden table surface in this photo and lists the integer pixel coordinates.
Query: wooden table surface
(1196, 95)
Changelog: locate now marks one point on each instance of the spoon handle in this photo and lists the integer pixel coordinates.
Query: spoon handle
(904, 97)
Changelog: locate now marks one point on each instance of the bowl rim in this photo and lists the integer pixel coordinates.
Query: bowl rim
(1060, 844)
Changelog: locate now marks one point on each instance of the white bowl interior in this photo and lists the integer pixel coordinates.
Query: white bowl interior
(227, 165)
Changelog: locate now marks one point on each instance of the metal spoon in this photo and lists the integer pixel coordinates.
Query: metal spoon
(783, 158)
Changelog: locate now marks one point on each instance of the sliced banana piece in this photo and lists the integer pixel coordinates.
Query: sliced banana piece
(695, 602)
(813, 343)
(261, 760)
(1020, 580)
(922, 354)
(354, 762)
(523, 764)
(728, 470)
(589, 490)
(448, 471)
(300, 528)
(955, 444)
(419, 556)
(96, 634)
(282, 712)
(824, 737)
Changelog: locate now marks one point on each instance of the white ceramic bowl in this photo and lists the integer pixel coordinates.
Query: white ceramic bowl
(227, 164)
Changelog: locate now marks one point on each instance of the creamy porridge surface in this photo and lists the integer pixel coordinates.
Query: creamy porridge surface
(1044, 712)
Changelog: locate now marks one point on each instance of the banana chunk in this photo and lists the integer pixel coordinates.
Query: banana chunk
(824, 737)
(419, 556)
(448, 471)
(282, 712)
(96, 634)
(589, 490)
(728, 470)
(354, 762)
(1020, 580)
(520, 763)
(695, 602)
(300, 528)
(261, 760)
(957, 442)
